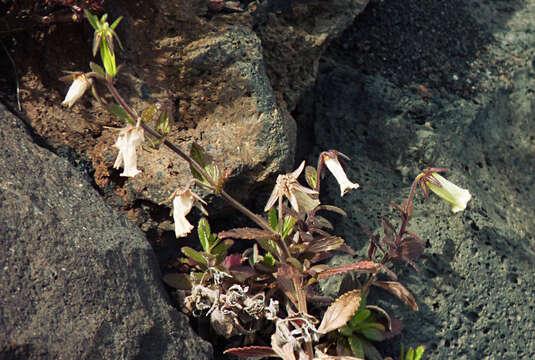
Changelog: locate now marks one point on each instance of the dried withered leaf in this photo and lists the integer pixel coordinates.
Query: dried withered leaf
(389, 230)
(363, 266)
(251, 351)
(400, 291)
(247, 233)
(285, 275)
(340, 311)
(326, 243)
(412, 246)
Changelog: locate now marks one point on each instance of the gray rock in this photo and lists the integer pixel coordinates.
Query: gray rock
(476, 285)
(78, 281)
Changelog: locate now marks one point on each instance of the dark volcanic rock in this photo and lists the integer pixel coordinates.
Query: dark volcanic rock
(476, 288)
(78, 281)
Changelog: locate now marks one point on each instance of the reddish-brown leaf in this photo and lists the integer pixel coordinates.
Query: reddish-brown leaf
(251, 351)
(340, 311)
(400, 291)
(364, 266)
(325, 244)
(247, 233)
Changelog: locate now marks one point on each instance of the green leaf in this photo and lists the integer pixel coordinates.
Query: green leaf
(149, 112)
(419, 352)
(120, 113)
(287, 226)
(163, 125)
(196, 152)
(346, 331)
(93, 20)
(273, 220)
(269, 246)
(372, 334)
(97, 68)
(203, 229)
(356, 347)
(311, 176)
(108, 58)
(116, 22)
(221, 250)
(359, 317)
(410, 354)
(194, 255)
(269, 259)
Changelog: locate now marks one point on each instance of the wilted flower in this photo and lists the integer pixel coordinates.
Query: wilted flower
(183, 201)
(456, 196)
(78, 87)
(127, 142)
(287, 185)
(330, 159)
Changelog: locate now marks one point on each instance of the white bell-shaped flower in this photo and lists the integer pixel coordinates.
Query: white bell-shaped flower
(128, 141)
(77, 89)
(334, 166)
(456, 196)
(182, 204)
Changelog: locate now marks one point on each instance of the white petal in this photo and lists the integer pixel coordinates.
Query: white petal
(76, 90)
(456, 196)
(127, 142)
(182, 205)
(336, 169)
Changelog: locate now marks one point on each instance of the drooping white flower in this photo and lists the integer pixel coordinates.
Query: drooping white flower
(77, 89)
(456, 196)
(334, 166)
(129, 139)
(182, 204)
(183, 201)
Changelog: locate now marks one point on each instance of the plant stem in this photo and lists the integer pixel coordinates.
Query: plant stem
(233, 202)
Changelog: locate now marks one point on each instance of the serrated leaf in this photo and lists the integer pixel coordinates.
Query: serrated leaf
(194, 255)
(177, 281)
(389, 231)
(248, 233)
(273, 220)
(120, 113)
(340, 311)
(203, 229)
(364, 266)
(400, 291)
(311, 177)
(252, 351)
(148, 114)
(326, 243)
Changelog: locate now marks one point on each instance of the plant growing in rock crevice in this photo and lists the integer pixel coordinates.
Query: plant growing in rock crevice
(266, 294)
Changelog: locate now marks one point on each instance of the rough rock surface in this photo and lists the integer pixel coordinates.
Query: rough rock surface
(476, 288)
(232, 79)
(78, 280)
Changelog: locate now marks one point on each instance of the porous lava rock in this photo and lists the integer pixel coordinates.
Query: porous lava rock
(78, 280)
